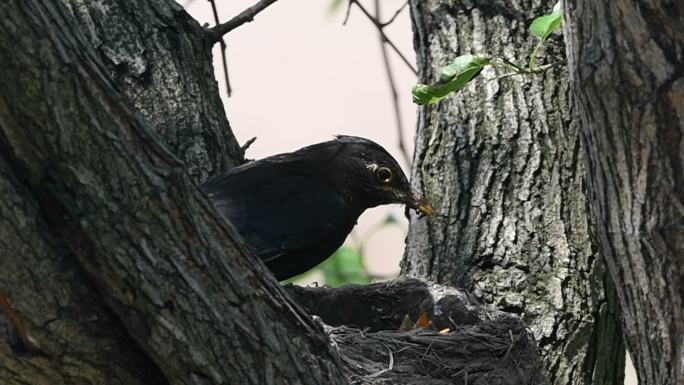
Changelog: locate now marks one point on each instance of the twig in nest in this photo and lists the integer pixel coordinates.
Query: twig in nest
(477, 352)
(389, 368)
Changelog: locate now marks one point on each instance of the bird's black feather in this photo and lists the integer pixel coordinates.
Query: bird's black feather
(296, 209)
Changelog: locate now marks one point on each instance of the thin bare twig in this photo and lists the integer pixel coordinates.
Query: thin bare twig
(224, 60)
(348, 12)
(247, 144)
(396, 13)
(216, 33)
(393, 89)
(517, 70)
(389, 367)
(380, 28)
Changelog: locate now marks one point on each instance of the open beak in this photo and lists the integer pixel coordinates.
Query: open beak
(419, 204)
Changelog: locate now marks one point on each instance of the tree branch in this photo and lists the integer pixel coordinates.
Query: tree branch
(394, 17)
(393, 88)
(187, 291)
(222, 41)
(381, 30)
(245, 16)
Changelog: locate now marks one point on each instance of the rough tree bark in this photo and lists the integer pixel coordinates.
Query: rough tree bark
(627, 66)
(115, 270)
(502, 163)
(161, 59)
(136, 278)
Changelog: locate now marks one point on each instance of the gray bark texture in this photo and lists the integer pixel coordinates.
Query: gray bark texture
(114, 268)
(161, 59)
(502, 164)
(626, 62)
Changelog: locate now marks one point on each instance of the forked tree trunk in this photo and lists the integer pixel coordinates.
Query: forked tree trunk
(627, 66)
(114, 269)
(502, 163)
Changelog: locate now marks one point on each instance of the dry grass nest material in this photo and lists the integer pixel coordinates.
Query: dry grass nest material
(482, 345)
(491, 352)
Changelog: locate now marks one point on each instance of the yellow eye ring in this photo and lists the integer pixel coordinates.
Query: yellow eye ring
(384, 175)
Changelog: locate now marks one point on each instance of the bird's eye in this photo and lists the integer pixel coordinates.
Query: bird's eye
(384, 174)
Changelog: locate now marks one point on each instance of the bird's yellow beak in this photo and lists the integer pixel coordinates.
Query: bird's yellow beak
(412, 200)
(419, 203)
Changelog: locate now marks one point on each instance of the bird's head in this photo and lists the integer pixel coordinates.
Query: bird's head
(366, 169)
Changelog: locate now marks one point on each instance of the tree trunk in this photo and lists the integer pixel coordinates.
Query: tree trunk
(114, 268)
(161, 59)
(627, 75)
(501, 162)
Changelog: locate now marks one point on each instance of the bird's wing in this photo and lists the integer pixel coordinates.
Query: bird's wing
(277, 209)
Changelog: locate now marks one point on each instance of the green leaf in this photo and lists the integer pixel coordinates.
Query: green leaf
(452, 78)
(335, 5)
(390, 219)
(345, 266)
(543, 26)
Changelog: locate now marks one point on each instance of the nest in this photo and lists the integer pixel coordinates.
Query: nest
(481, 346)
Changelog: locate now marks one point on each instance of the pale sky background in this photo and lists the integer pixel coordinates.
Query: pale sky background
(299, 76)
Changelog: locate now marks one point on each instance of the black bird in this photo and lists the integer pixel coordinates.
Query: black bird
(296, 209)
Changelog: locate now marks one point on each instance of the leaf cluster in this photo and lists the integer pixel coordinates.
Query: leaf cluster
(465, 68)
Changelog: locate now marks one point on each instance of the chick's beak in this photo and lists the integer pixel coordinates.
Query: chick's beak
(419, 204)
